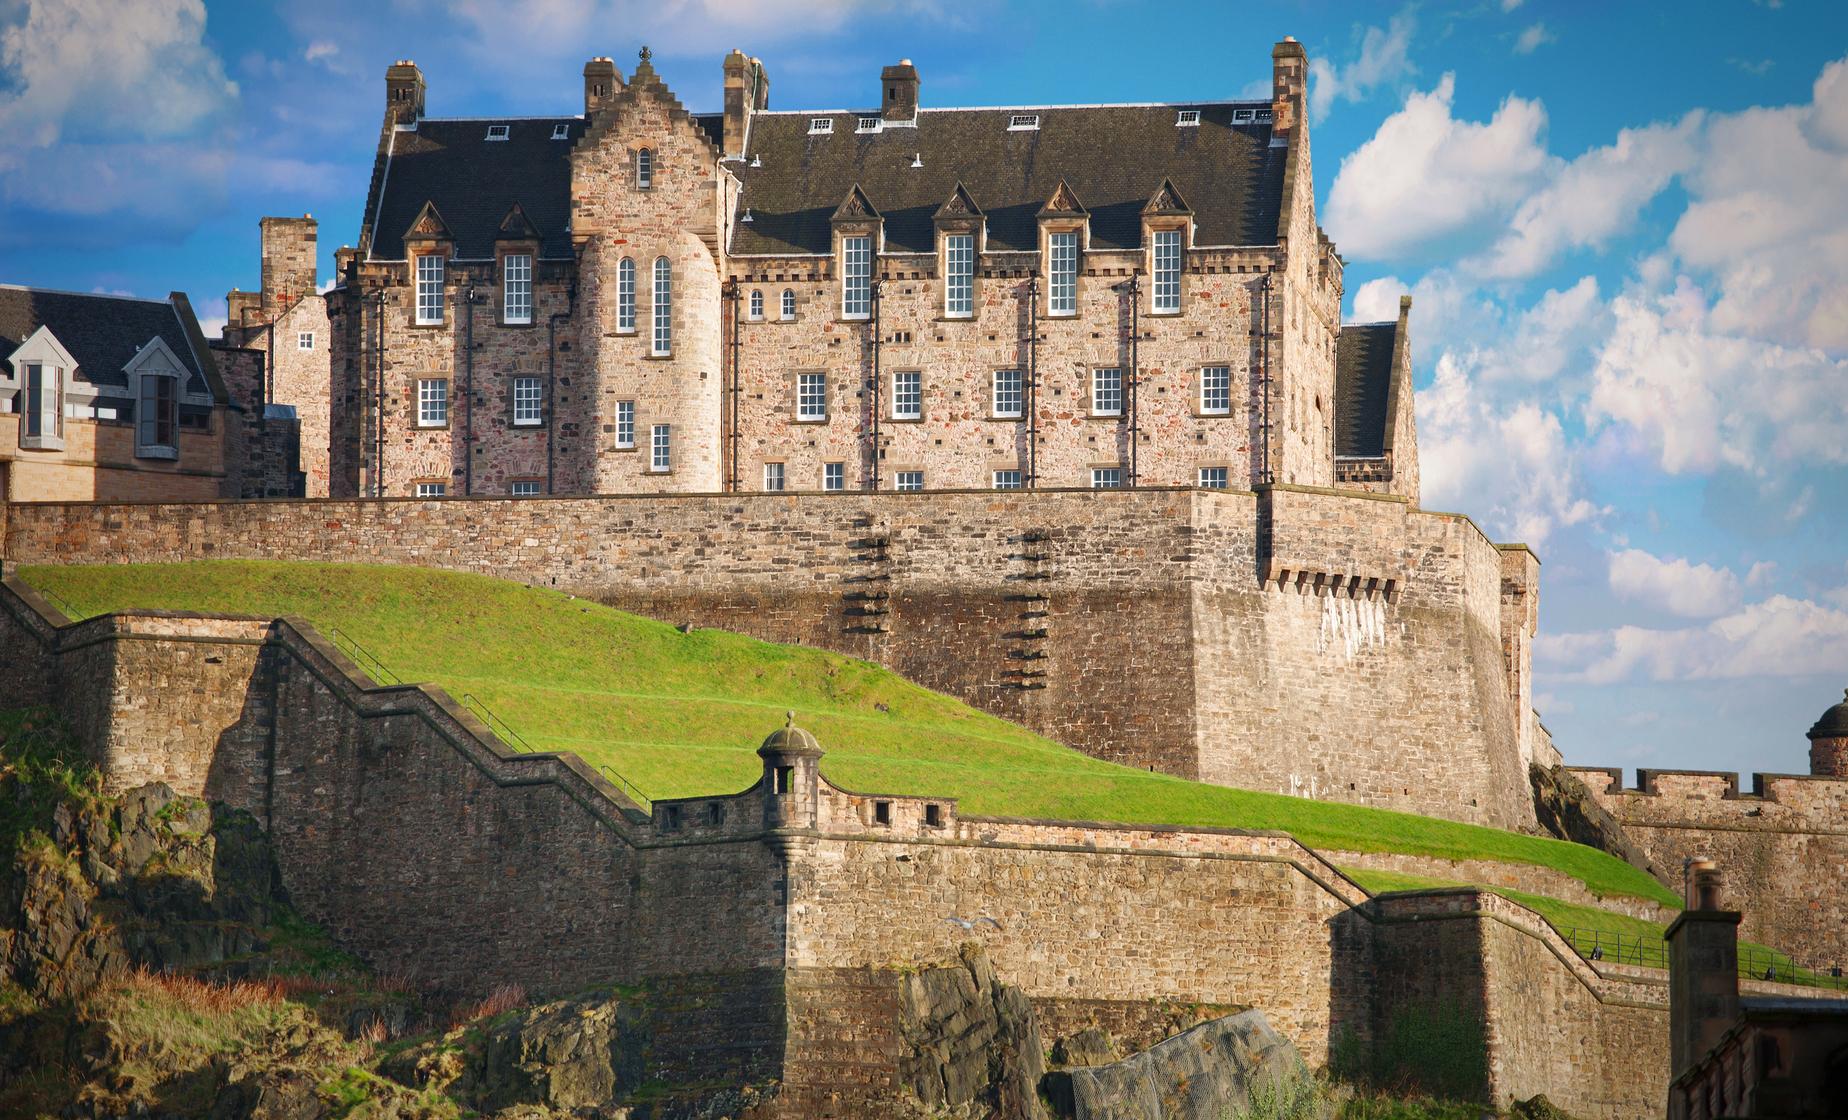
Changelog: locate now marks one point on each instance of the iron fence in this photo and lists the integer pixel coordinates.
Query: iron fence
(1755, 961)
(362, 657)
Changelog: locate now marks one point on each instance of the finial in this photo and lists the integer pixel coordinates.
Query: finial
(789, 719)
(646, 54)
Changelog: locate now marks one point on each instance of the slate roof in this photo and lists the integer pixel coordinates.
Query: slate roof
(104, 332)
(1363, 383)
(474, 181)
(1114, 157)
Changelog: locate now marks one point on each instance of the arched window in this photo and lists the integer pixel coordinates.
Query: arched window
(789, 303)
(757, 305)
(644, 169)
(663, 307)
(625, 295)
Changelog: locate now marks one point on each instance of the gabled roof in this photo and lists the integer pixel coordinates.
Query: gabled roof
(473, 181)
(103, 333)
(1114, 157)
(516, 226)
(855, 207)
(1063, 203)
(1167, 200)
(1363, 384)
(958, 205)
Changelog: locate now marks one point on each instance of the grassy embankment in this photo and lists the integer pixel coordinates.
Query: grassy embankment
(682, 714)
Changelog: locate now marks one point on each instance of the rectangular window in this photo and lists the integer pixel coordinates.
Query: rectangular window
(432, 402)
(429, 289)
(498, 132)
(561, 132)
(304, 340)
(1023, 122)
(868, 124)
(856, 277)
(1007, 480)
(909, 480)
(526, 402)
(773, 477)
(625, 423)
(1216, 390)
(644, 169)
(1007, 393)
(1106, 392)
(35, 400)
(959, 275)
(158, 413)
(1062, 291)
(432, 489)
(1187, 118)
(834, 476)
(1213, 478)
(517, 288)
(1167, 288)
(811, 396)
(525, 489)
(661, 448)
(820, 125)
(625, 296)
(907, 395)
(663, 307)
(1106, 478)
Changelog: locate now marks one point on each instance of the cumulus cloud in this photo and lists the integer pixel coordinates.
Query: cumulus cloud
(1673, 584)
(1384, 58)
(1778, 637)
(1532, 39)
(1425, 174)
(320, 49)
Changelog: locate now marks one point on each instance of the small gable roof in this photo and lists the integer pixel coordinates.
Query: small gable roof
(1363, 387)
(103, 333)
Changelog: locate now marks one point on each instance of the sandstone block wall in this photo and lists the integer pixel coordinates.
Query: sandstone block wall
(1781, 847)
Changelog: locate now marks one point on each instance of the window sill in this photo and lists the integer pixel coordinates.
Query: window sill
(905, 420)
(1104, 416)
(169, 454)
(418, 324)
(1201, 414)
(811, 420)
(624, 332)
(1061, 315)
(867, 318)
(522, 323)
(1008, 418)
(1174, 314)
(624, 448)
(651, 356)
(41, 443)
(430, 427)
(528, 425)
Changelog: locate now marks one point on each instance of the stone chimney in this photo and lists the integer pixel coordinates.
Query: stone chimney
(747, 90)
(404, 92)
(289, 268)
(601, 82)
(1703, 969)
(792, 776)
(1289, 83)
(1829, 742)
(899, 97)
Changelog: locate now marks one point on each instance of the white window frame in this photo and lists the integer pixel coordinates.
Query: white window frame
(1215, 390)
(432, 402)
(857, 277)
(304, 340)
(1165, 274)
(430, 296)
(811, 397)
(834, 476)
(1010, 479)
(757, 306)
(1008, 385)
(1106, 384)
(431, 490)
(47, 411)
(525, 488)
(625, 296)
(1062, 273)
(1106, 478)
(528, 402)
(561, 132)
(913, 398)
(661, 310)
(499, 132)
(625, 424)
(1187, 118)
(908, 480)
(958, 275)
(821, 126)
(517, 288)
(1023, 122)
(1204, 478)
(788, 307)
(661, 448)
(644, 169)
(869, 124)
(148, 441)
(776, 478)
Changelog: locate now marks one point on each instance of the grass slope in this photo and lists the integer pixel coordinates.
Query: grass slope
(682, 714)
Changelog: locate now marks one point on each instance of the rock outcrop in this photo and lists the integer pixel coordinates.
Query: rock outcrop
(971, 1042)
(1567, 809)
(1214, 1070)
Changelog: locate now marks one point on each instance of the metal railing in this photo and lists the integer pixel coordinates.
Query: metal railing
(1755, 961)
(519, 744)
(362, 657)
(61, 603)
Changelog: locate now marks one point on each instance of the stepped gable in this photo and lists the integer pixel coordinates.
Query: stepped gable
(1363, 388)
(103, 333)
(1112, 156)
(452, 165)
(646, 82)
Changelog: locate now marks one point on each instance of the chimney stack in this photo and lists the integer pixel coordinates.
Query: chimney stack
(1703, 969)
(289, 265)
(1289, 83)
(404, 92)
(601, 82)
(899, 98)
(746, 91)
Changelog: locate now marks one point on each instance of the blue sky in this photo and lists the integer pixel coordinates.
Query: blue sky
(1623, 226)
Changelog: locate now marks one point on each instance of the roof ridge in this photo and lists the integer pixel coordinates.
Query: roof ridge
(1236, 103)
(168, 302)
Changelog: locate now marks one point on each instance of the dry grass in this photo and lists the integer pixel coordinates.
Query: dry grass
(504, 998)
(210, 997)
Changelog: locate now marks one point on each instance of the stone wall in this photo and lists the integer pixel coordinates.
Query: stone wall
(1781, 847)
(1368, 666)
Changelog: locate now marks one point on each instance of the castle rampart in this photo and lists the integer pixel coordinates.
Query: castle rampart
(1369, 668)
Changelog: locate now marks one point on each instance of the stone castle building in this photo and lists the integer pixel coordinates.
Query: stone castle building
(642, 299)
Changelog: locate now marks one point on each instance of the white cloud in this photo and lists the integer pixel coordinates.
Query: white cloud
(1761, 573)
(320, 49)
(1426, 174)
(1533, 38)
(1384, 58)
(1510, 5)
(1777, 637)
(1674, 584)
(1591, 199)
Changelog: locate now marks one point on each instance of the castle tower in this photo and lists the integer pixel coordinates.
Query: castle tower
(1829, 742)
(289, 272)
(792, 776)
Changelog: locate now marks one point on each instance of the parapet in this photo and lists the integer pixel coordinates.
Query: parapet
(1718, 794)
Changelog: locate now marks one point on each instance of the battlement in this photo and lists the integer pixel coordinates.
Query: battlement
(1823, 796)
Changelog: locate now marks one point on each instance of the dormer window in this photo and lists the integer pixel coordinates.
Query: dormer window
(157, 415)
(1187, 118)
(1023, 122)
(1165, 292)
(1062, 273)
(644, 169)
(1242, 116)
(430, 289)
(856, 277)
(42, 424)
(498, 131)
(561, 132)
(867, 124)
(820, 126)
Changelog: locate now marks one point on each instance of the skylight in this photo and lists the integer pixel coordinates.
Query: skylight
(498, 131)
(820, 125)
(1023, 122)
(561, 132)
(868, 124)
(1187, 118)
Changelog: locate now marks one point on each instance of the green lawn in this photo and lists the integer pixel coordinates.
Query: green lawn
(682, 714)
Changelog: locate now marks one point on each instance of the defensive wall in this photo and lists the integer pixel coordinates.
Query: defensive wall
(1783, 845)
(766, 924)
(1329, 644)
